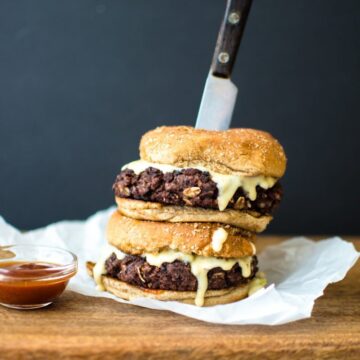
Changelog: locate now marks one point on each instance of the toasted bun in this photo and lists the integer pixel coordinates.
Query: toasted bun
(143, 210)
(235, 151)
(137, 237)
(126, 291)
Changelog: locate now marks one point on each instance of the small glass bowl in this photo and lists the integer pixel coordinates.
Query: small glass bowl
(33, 276)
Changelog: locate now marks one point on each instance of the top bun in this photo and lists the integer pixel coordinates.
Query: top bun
(235, 151)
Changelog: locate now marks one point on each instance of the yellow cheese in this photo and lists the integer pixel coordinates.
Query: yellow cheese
(218, 238)
(99, 268)
(253, 247)
(226, 184)
(200, 266)
(168, 256)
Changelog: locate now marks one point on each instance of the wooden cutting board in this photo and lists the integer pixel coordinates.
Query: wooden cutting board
(90, 328)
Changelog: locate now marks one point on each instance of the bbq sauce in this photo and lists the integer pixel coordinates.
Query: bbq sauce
(29, 283)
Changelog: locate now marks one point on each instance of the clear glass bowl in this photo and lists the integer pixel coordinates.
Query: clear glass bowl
(33, 276)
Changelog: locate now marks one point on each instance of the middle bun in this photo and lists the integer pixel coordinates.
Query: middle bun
(137, 237)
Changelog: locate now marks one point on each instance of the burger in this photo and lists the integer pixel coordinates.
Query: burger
(187, 216)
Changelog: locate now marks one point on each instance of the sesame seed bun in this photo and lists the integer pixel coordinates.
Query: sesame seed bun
(137, 237)
(235, 151)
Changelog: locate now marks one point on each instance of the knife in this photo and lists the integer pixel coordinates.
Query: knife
(219, 96)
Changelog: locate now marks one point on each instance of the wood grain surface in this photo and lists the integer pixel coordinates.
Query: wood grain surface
(89, 328)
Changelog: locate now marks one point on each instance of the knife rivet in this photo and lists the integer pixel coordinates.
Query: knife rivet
(223, 57)
(234, 18)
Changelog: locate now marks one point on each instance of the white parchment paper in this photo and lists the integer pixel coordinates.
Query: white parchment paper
(298, 270)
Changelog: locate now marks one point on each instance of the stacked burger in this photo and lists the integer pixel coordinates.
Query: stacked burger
(188, 213)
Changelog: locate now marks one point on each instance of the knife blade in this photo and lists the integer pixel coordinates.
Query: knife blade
(219, 96)
(217, 103)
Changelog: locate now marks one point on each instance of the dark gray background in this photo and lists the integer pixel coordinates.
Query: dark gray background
(80, 81)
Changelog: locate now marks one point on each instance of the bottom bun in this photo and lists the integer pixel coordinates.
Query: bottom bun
(126, 291)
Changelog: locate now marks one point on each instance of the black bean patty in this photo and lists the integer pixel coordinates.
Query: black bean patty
(174, 276)
(190, 187)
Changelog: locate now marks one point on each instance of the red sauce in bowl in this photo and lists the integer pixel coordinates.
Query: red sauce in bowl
(29, 285)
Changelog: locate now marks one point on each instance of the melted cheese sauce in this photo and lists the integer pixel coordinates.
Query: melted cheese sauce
(200, 266)
(168, 256)
(99, 268)
(218, 238)
(253, 247)
(226, 184)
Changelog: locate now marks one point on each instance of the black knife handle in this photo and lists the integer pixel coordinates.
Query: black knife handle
(228, 41)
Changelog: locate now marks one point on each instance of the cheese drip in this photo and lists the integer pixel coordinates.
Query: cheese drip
(218, 238)
(200, 266)
(99, 268)
(226, 184)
